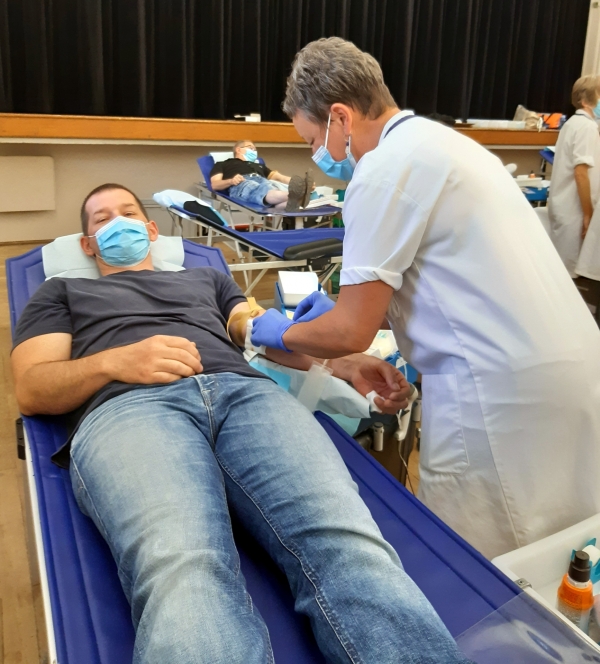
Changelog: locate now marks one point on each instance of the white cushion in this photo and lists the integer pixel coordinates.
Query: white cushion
(221, 156)
(170, 197)
(65, 258)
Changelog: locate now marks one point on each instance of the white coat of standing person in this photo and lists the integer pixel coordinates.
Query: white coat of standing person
(575, 186)
(441, 242)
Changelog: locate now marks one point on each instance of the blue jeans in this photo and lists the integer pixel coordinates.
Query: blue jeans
(253, 189)
(158, 470)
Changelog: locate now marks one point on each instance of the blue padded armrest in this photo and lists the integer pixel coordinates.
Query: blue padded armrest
(91, 615)
(197, 255)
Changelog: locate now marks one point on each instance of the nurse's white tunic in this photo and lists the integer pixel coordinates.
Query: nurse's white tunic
(484, 309)
(578, 143)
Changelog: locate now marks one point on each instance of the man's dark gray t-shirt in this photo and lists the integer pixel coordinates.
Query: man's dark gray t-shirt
(131, 306)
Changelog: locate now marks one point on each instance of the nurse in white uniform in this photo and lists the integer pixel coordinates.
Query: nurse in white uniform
(575, 186)
(441, 242)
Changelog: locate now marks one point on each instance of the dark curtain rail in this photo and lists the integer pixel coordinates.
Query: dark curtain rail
(215, 58)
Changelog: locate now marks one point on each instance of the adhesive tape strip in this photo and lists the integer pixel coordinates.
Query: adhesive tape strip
(261, 350)
(371, 399)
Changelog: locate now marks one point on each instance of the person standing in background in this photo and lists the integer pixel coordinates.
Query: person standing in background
(575, 184)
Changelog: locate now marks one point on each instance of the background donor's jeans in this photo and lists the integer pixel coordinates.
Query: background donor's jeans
(158, 470)
(253, 189)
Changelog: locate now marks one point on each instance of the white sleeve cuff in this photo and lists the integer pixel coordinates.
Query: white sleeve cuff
(360, 275)
(588, 160)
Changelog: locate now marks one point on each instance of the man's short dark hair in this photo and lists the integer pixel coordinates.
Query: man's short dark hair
(239, 144)
(105, 187)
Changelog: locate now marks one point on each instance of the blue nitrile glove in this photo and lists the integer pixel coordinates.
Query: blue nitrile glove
(313, 306)
(268, 330)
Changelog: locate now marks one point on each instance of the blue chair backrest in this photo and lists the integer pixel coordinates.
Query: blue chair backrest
(548, 155)
(206, 164)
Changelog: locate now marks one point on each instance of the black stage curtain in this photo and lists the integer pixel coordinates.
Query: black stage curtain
(215, 58)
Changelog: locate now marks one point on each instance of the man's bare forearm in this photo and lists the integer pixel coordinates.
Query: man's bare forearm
(341, 367)
(55, 388)
(220, 185)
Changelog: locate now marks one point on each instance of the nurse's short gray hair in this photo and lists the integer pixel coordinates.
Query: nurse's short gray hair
(333, 70)
(586, 89)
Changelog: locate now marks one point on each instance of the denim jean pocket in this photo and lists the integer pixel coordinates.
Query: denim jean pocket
(443, 448)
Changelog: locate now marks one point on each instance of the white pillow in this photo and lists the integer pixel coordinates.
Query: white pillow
(221, 156)
(65, 258)
(170, 197)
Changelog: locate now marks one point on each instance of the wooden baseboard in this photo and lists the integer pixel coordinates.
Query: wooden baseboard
(14, 243)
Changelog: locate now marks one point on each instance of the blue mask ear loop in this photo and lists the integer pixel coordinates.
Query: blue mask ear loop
(348, 142)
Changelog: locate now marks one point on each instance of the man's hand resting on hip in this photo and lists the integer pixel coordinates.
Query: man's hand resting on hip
(158, 359)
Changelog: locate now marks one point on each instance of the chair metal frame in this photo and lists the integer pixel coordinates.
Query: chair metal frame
(255, 258)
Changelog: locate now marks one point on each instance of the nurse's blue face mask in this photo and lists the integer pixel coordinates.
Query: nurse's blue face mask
(123, 242)
(341, 170)
(596, 110)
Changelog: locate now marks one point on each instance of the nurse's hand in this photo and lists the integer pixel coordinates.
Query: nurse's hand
(370, 373)
(585, 226)
(268, 330)
(314, 305)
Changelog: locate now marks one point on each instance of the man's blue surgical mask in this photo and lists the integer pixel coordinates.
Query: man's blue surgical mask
(596, 110)
(123, 242)
(251, 155)
(341, 170)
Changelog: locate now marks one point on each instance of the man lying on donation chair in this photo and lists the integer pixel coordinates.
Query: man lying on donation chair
(253, 182)
(173, 430)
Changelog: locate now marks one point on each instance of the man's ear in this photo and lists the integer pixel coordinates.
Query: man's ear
(152, 231)
(85, 245)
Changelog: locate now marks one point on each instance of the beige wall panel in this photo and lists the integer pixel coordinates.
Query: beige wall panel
(26, 184)
(146, 169)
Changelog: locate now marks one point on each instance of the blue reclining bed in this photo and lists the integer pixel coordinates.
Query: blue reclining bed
(88, 615)
(228, 204)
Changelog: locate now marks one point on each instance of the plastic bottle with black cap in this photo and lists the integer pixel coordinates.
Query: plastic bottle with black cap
(575, 597)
